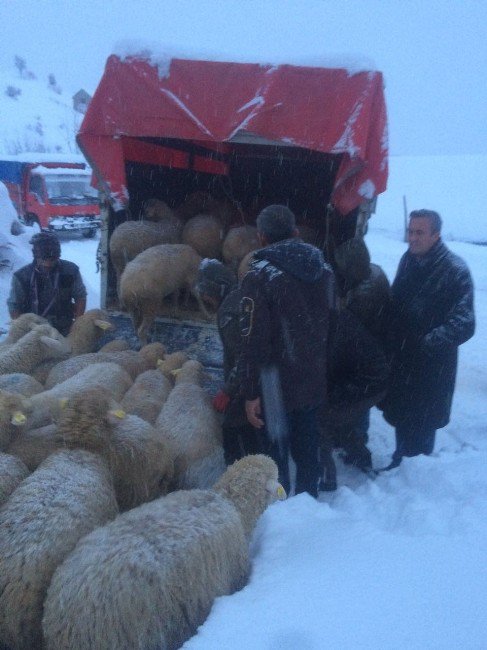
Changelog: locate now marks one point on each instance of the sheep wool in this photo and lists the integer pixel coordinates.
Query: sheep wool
(12, 473)
(109, 376)
(132, 237)
(19, 382)
(238, 243)
(42, 342)
(149, 578)
(34, 445)
(152, 276)
(21, 326)
(130, 360)
(139, 460)
(88, 329)
(68, 496)
(191, 429)
(204, 233)
(147, 395)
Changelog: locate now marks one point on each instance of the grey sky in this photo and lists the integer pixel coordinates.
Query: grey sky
(433, 53)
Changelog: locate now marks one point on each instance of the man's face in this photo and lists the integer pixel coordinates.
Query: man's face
(46, 264)
(420, 236)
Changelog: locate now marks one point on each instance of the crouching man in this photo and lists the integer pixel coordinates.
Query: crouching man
(49, 286)
(286, 296)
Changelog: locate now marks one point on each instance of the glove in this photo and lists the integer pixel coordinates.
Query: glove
(220, 401)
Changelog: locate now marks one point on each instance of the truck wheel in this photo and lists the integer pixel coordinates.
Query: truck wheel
(89, 234)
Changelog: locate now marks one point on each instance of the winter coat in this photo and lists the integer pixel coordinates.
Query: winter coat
(364, 286)
(228, 322)
(358, 369)
(432, 314)
(284, 321)
(55, 293)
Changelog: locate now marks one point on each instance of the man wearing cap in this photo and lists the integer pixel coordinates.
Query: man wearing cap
(49, 286)
(286, 297)
(217, 286)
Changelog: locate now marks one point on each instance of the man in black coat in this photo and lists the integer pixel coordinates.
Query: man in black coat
(49, 286)
(432, 314)
(286, 296)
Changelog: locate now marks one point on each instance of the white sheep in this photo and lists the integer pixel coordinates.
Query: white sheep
(130, 360)
(43, 342)
(138, 458)
(149, 578)
(19, 382)
(192, 430)
(20, 326)
(152, 276)
(205, 233)
(12, 473)
(238, 242)
(83, 337)
(147, 395)
(132, 237)
(14, 411)
(68, 496)
(108, 376)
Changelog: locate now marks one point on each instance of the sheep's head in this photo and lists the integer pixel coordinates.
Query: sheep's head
(251, 484)
(191, 372)
(153, 353)
(85, 420)
(171, 362)
(88, 329)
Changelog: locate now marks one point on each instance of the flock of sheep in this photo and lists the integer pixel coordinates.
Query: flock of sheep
(119, 522)
(159, 256)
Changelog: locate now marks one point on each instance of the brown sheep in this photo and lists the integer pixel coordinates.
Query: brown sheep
(152, 276)
(238, 242)
(205, 233)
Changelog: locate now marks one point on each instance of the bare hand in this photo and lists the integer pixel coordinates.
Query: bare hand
(253, 411)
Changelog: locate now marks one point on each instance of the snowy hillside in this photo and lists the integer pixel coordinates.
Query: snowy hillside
(37, 115)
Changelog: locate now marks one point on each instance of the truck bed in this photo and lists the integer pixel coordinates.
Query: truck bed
(200, 340)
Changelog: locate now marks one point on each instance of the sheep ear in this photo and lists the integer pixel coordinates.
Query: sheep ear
(276, 490)
(103, 324)
(61, 347)
(18, 418)
(63, 402)
(176, 372)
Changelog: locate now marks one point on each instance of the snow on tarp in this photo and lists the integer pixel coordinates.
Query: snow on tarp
(210, 103)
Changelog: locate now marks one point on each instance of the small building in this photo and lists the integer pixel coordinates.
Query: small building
(81, 100)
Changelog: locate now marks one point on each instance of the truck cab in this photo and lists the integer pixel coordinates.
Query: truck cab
(56, 194)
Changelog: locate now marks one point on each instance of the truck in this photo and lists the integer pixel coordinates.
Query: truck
(52, 192)
(312, 138)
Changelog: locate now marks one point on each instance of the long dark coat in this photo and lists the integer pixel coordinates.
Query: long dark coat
(432, 314)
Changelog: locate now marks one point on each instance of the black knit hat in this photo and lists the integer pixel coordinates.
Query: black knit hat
(45, 245)
(215, 279)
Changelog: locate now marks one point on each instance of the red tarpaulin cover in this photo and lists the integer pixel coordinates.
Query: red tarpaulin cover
(323, 109)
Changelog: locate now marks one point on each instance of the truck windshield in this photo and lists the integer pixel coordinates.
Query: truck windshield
(70, 189)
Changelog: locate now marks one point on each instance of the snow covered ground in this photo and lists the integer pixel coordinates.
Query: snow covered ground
(398, 562)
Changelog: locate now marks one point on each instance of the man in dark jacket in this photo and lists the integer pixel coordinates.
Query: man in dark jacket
(433, 313)
(365, 291)
(217, 286)
(49, 286)
(286, 296)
